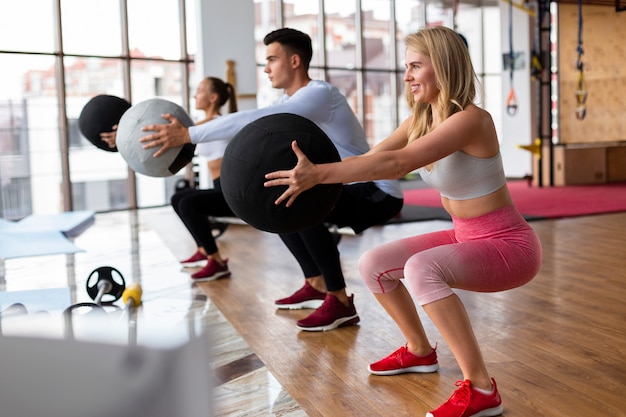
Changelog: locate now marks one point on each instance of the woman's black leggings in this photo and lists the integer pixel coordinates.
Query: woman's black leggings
(360, 206)
(194, 208)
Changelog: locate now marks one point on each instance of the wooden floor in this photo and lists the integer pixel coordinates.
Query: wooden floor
(556, 346)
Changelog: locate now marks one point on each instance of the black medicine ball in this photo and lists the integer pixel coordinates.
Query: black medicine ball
(99, 115)
(264, 146)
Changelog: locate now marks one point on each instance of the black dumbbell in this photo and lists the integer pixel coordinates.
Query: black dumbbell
(105, 285)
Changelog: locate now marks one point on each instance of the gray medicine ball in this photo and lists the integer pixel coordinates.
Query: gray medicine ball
(129, 132)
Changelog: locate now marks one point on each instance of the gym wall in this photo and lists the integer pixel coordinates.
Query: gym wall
(604, 31)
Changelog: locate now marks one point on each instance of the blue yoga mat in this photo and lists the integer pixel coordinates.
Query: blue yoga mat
(38, 235)
(70, 223)
(48, 299)
(18, 244)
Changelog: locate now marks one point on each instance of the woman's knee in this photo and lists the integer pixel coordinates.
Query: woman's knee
(426, 279)
(368, 262)
(179, 198)
(377, 273)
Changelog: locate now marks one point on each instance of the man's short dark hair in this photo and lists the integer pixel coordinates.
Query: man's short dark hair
(294, 41)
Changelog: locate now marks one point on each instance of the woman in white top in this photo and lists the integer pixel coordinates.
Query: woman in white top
(490, 248)
(194, 206)
(211, 95)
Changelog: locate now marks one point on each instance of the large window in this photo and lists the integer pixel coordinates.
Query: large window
(361, 51)
(55, 57)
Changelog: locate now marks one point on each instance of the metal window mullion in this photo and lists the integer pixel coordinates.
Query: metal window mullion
(185, 77)
(483, 64)
(131, 182)
(280, 17)
(321, 38)
(184, 53)
(423, 17)
(66, 184)
(360, 78)
(393, 57)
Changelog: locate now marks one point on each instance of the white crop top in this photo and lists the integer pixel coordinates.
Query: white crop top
(460, 176)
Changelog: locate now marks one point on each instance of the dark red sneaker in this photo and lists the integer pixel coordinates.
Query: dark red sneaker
(468, 402)
(305, 297)
(196, 260)
(330, 315)
(402, 361)
(211, 271)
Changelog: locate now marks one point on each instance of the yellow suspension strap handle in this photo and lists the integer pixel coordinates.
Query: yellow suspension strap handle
(535, 66)
(581, 90)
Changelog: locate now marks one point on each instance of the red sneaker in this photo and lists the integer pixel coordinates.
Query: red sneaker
(402, 361)
(468, 402)
(211, 271)
(305, 297)
(330, 315)
(196, 260)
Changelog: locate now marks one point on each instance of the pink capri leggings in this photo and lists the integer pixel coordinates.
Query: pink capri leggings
(493, 252)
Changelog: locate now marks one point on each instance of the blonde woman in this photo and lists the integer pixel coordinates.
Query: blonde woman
(490, 248)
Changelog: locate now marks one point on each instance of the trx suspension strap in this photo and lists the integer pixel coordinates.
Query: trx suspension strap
(511, 101)
(581, 92)
(536, 68)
